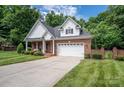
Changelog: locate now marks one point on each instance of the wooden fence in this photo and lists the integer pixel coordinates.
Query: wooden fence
(117, 52)
(114, 53)
(7, 48)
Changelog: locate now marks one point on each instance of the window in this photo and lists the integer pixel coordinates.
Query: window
(69, 31)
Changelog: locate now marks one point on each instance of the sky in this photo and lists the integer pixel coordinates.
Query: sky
(79, 11)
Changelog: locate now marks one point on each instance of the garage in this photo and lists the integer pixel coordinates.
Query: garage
(73, 49)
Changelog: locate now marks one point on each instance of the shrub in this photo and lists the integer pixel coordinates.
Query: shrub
(108, 54)
(120, 58)
(87, 56)
(23, 52)
(32, 52)
(38, 53)
(97, 56)
(20, 48)
(27, 52)
(29, 49)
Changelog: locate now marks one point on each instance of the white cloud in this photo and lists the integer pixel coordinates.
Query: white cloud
(65, 9)
(82, 16)
(68, 10)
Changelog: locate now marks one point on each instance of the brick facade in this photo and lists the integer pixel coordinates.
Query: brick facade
(86, 42)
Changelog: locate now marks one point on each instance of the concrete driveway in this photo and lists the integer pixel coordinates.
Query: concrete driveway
(44, 72)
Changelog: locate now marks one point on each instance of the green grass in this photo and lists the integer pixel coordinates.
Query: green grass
(11, 57)
(95, 73)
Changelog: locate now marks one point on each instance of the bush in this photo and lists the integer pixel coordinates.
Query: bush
(27, 52)
(87, 56)
(20, 48)
(29, 49)
(38, 53)
(32, 52)
(108, 54)
(120, 58)
(97, 56)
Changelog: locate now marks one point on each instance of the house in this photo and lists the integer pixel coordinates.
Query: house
(68, 39)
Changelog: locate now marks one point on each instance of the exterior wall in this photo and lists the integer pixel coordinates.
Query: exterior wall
(86, 42)
(49, 50)
(33, 44)
(38, 31)
(70, 24)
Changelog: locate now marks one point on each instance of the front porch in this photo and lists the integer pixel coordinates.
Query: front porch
(47, 47)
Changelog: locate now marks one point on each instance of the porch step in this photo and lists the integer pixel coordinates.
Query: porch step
(48, 54)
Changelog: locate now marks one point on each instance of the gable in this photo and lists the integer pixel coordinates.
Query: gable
(38, 31)
(70, 24)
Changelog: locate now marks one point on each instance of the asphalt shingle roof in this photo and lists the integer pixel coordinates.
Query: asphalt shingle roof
(56, 33)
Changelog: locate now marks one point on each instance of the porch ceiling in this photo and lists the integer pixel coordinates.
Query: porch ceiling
(34, 39)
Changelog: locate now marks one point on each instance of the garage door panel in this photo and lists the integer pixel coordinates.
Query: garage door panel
(70, 50)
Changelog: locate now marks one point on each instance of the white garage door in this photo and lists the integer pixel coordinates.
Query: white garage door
(70, 50)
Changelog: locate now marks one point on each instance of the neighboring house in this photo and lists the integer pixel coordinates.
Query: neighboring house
(69, 39)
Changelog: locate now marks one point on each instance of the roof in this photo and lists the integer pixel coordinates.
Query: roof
(56, 33)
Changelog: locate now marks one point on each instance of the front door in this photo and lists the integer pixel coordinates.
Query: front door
(48, 47)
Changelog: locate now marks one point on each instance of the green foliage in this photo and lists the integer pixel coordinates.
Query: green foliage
(29, 49)
(32, 52)
(20, 48)
(120, 58)
(16, 22)
(108, 54)
(38, 53)
(27, 52)
(97, 56)
(53, 19)
(2, 41)
(87, 56)
(107, 28)
(15, 36)
(106, 36)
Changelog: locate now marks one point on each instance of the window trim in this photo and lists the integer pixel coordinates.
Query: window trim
(69, 31)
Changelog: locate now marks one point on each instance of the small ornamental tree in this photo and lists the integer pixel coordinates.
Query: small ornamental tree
(20, 48)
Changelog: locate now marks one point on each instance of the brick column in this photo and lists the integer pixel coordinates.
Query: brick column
(102, 52)
(115, 52)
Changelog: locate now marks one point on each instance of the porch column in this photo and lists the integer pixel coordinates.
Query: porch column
(53, 47)
(43, 46)
(36, 45)
(26, 45)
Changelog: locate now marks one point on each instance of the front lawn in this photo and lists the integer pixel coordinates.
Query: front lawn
(95, 73)
(11, 57)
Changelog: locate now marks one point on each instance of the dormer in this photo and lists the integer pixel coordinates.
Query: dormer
(69, 28)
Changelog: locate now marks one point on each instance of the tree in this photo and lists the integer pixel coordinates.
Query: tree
(106, 36)
(19, 20)
(20, 48)
(53, 19)
(2, 41)
(81, 22)
(108, 28)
